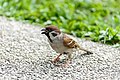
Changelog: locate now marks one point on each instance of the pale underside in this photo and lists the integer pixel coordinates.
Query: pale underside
(63, 44)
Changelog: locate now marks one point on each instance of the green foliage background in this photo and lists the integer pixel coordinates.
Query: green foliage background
(97, 20)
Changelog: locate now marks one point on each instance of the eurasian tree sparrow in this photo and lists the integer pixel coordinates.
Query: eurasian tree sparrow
(61, 43)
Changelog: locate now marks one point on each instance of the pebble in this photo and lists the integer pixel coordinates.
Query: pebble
(25, 55)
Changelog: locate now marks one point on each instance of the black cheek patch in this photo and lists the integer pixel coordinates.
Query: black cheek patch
(49, 38)
(54, 34)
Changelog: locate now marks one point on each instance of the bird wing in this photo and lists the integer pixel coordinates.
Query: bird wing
(69, 42)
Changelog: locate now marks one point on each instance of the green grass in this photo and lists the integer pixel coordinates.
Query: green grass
(97, 20)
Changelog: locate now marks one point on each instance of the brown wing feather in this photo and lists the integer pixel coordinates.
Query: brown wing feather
(70, 43)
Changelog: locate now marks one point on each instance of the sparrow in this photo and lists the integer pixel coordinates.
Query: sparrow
(61, 43)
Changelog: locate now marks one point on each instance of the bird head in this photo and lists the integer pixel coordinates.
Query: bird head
(51, 32)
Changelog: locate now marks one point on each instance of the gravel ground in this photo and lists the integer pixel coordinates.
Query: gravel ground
(25, 55)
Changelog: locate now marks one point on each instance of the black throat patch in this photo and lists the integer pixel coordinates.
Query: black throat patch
(49, 37)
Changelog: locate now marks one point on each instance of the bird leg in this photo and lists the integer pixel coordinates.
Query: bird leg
(57, 58)
(68, 59)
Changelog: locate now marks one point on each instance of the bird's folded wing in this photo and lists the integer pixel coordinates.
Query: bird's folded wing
(69, 42)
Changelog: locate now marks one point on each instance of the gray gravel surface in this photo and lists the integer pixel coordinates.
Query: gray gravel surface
(25, 55)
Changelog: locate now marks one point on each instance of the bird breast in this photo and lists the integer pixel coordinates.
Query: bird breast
(57, 45)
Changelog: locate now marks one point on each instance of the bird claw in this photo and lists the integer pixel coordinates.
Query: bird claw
(66, 64)
(55, 60)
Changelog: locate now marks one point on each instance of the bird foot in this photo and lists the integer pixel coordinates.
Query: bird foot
(66, 64)
(55, 60)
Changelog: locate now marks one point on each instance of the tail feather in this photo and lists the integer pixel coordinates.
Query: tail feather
(88, 52)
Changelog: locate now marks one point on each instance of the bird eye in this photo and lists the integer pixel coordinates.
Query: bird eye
(54, 34)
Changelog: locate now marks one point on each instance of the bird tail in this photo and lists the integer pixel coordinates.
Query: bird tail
(88, 52)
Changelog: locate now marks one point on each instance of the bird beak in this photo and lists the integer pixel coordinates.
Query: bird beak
(43, 31)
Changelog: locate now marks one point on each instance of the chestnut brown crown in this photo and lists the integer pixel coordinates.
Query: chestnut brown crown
(50, 29)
